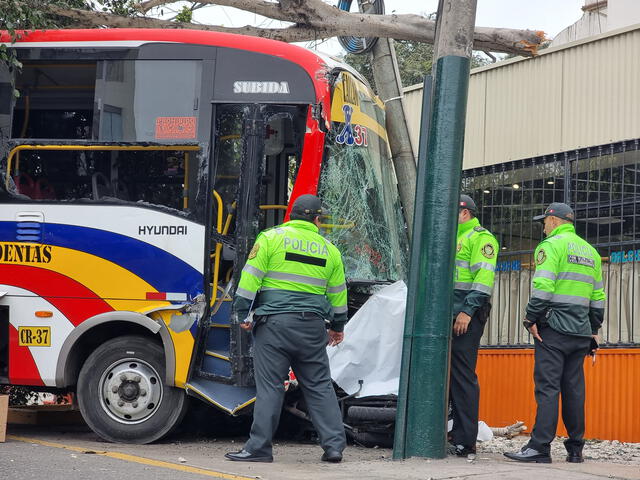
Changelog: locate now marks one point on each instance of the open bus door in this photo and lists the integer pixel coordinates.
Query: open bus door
(257, 150)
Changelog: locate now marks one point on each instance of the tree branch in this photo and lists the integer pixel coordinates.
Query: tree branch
(314, 20)
(260, 7)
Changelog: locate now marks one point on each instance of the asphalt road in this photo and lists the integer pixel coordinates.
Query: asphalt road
(22, 460)
(46, 453)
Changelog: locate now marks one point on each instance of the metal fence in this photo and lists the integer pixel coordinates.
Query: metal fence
(602, 184)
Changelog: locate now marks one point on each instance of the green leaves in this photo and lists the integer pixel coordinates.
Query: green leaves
(415, 60)
(123, 8)
(185, 15)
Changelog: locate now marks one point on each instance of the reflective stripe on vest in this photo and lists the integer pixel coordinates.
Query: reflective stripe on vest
(294, 277)
(256, 272)
(477, 266)
(473, 286)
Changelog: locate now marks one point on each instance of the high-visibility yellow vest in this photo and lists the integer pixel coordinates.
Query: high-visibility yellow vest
(292, 268)
(567, 292)
(476, 255)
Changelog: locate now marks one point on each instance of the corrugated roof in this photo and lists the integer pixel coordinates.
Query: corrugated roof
(576, 95)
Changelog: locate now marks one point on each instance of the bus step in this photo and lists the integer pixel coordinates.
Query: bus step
(229, 398)
(217, 362)
(218, 339)
(222, 354)
(223, 315)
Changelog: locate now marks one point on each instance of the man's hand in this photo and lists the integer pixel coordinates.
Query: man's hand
(246, 326)
(335, 337)
(533, 329)
(461, 324)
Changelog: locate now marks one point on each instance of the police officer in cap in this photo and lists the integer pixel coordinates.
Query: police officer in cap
(563, 315)
(475, 266)
(294, 279)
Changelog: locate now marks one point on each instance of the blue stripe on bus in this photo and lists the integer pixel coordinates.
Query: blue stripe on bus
(164, 271)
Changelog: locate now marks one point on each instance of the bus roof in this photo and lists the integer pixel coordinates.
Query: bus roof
(144, 35)
(307, 59)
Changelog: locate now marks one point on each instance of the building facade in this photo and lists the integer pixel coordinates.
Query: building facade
(560, 127)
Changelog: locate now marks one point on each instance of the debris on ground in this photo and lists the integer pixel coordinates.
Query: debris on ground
(509, 431)
(594, 450)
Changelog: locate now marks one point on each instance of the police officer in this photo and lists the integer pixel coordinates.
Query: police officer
(475, 265)
(563, 315)
(294, 278)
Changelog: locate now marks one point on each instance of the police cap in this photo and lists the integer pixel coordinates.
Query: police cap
(306, 206)
(557, 209)
(467, 202)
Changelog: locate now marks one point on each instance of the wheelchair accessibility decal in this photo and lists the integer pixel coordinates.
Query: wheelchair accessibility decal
(352, 134)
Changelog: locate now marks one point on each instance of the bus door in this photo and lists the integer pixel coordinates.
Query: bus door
(257, 151)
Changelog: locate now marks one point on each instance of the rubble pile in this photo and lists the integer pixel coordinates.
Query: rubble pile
(594, 450)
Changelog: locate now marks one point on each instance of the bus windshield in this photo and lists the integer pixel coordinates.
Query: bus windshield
(359, 187)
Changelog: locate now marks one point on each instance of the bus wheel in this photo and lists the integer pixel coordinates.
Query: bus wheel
(122, 395)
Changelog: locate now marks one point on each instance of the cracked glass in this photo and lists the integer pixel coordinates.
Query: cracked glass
(359, 188)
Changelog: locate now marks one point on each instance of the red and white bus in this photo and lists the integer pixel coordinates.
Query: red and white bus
(137, 168)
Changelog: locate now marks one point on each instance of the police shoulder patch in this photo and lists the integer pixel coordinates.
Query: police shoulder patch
(254, 251)
(541, 257)
(459, 247)
(478, 228)
(488, 251)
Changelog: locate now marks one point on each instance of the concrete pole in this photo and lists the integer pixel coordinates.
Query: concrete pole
(421, 421)
(387, 77)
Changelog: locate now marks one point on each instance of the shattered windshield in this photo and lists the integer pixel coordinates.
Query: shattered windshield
(359, 188)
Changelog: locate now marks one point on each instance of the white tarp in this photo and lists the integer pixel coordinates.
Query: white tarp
(372, 346)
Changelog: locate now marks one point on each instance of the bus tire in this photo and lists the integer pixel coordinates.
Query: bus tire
(122, 395)
(371, 439)
(378, 414)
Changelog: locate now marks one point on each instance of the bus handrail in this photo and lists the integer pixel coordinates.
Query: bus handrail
(218, 249)
(152, 148)
(224, 231)
(220, 206)
(273, 207)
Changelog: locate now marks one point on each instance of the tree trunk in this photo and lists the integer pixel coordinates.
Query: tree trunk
(313, 20)
(389, 86)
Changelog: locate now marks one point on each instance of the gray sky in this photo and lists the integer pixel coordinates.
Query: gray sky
(552, 16)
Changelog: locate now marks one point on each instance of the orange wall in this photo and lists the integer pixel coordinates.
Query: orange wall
(612, 384)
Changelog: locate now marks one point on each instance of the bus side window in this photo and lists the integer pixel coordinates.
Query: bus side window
(283, 137)
(155, 177)
(25, 184)
(6, 101)
(56, 100)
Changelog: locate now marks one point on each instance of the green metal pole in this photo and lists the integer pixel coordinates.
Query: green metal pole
(413, 284)
(423, 392)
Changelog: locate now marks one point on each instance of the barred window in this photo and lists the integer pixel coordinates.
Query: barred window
(602, 185)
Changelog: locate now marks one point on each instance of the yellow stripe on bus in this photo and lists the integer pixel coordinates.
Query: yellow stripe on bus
(358, 117)
(183, 343)
(116, 285)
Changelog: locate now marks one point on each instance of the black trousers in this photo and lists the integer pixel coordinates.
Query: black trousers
(464, 391)
(559, 361)
(298, 340)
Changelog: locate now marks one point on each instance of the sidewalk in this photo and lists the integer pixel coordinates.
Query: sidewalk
(486, 467)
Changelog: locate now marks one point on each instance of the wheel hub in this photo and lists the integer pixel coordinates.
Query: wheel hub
(131, 390)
